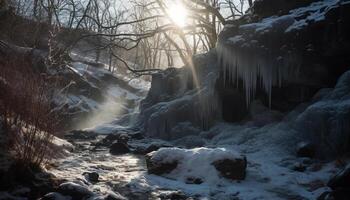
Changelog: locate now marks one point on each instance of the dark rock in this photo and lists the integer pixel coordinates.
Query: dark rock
(176, 195)
(232, 169)
(194, 180)
(305, 149)
(300, 167)
(111, 138)
(316, 167)
(74, 190)
(54, 196)
(149, 146)
(265, 8)
(119, 148)
(340, 194)
(114, 196)
(158, 167)
(324, 196)
(137, 135)
(155, 147)
(123, 138)
(92, 176)
(340, 180)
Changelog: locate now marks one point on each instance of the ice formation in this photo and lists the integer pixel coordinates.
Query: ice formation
(245, 56)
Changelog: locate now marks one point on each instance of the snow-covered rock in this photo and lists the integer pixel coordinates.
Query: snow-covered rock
(75, 190)
(205, 164)
(325, 122)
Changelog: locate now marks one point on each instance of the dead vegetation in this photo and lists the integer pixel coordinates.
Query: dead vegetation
(25, 109)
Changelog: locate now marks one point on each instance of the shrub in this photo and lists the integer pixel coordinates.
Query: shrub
(28, 119)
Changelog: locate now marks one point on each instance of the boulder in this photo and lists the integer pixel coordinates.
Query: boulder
(114, 196)
(54, 196)
(198, 165)
(91, 176)
(159, 167)
(265, 8)
(305, 149)
(341, 180)
(74, 190)
(234, 169)
(299, 167)
(176, 195)
(111, 138)
(118, 148)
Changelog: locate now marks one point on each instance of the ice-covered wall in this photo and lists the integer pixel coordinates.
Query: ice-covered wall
(267, 53)
(325, 123)
(174, 99)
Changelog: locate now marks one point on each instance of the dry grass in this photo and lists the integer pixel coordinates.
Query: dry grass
(25, 107)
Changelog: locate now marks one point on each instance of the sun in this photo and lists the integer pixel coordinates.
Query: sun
(178, 14)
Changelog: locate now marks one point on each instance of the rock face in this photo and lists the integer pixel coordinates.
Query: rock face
(232, 169)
